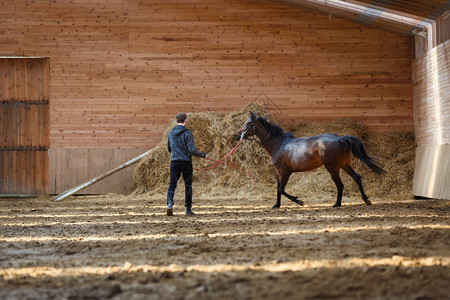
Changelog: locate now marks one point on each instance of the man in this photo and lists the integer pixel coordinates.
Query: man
(180, 143)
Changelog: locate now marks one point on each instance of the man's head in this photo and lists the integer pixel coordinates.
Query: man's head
(181, 117)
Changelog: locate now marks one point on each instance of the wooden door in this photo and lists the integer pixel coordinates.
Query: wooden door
(24, 125)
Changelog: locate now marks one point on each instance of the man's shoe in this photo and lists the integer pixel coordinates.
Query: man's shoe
(189, 212)
(170, 208)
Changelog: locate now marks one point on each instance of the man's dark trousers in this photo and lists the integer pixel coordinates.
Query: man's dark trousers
(176, 169)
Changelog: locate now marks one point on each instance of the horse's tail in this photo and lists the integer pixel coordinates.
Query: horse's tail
(358, 150)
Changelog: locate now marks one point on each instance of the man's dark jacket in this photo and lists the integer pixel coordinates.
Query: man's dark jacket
(180, 143)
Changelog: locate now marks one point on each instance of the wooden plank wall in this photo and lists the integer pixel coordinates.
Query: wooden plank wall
(440, 33)
(121, 69)
(431, 92)
(71, 167)
(30, 130)
(420, 45)
(23, 172)
(24, 125)
(432, 172)
(443, 28)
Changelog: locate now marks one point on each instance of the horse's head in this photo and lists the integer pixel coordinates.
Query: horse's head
(246, 130)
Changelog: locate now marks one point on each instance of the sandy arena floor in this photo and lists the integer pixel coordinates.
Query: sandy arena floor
(127, 248)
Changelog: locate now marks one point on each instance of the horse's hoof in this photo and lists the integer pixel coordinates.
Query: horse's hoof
(295, 200)
(299, 202)
(275, 206)
(337, 205)
(368, 203)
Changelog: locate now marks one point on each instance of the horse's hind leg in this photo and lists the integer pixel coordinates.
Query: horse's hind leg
(349, 170)
(339, 185)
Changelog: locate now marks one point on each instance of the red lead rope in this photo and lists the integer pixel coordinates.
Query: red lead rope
(219, 161)
(230, 165)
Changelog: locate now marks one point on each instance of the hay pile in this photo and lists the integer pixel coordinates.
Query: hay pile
(213, 134)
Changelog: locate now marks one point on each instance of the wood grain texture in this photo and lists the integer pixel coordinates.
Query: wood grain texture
(120, 69)
(24, 125)
(71, 167)
(432, 172)
(431, 90)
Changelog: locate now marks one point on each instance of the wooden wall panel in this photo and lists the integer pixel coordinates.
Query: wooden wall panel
(24, 125)
(432, 172)
(438, 33)
(23, 172)
(120, 69)
(71, 167)
(431, 92)
(24, 80)
(443, 28)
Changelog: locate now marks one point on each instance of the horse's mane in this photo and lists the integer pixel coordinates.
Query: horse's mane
(273, 129)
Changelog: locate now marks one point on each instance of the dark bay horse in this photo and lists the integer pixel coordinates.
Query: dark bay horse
(290, 154)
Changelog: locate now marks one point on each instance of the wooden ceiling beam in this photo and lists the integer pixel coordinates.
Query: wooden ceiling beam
(430, 9)
(370, 15)
(390, 9)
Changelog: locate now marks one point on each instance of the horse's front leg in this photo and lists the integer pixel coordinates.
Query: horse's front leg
(292, 198)
(282, 181)
(278, 203)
